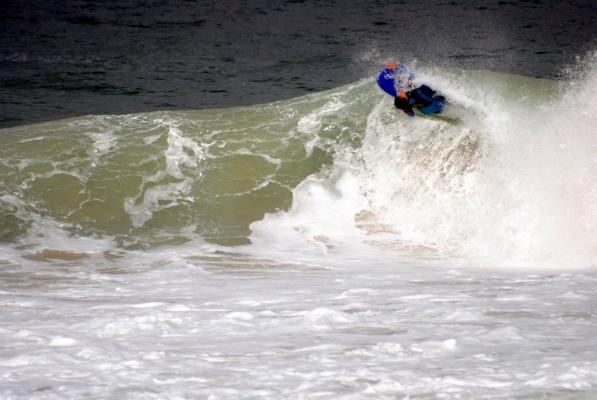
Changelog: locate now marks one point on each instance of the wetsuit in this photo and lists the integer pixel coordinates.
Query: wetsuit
(423, 98)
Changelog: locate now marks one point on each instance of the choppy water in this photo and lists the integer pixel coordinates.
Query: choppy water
(373, 256)
(161, 325)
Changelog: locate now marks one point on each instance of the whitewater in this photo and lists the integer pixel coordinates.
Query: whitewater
(325, 246)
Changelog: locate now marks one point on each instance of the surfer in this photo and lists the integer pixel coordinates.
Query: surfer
(396, 80)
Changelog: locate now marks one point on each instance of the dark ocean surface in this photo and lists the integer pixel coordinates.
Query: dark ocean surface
(67, 58)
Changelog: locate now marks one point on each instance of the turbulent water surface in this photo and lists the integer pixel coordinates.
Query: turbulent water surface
(320, 247)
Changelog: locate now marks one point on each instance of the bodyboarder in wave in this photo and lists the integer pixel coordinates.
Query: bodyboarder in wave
(396, 80)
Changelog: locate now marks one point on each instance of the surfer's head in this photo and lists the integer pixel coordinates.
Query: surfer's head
(391, 65)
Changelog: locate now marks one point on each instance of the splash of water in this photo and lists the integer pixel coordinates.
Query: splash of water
(511, 184)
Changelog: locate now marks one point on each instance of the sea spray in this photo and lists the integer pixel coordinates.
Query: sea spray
(510, 184)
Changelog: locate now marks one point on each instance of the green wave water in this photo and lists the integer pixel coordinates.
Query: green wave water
(490, 179)
(144, 177)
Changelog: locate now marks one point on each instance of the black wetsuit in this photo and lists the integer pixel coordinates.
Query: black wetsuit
(420, 97)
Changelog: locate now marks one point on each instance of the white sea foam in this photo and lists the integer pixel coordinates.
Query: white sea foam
(511, 184)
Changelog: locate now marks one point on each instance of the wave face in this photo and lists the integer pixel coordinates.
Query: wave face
(510, 179)
(142, 177)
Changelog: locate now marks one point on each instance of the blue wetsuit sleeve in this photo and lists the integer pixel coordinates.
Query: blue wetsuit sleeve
(386, 81)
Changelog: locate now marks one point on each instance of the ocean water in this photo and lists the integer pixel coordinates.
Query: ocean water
(324, 246)
(233, 210)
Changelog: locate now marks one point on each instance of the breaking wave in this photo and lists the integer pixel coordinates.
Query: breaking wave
(509, 178)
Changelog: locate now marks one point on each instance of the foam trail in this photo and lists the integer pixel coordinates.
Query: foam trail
(166, 195)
